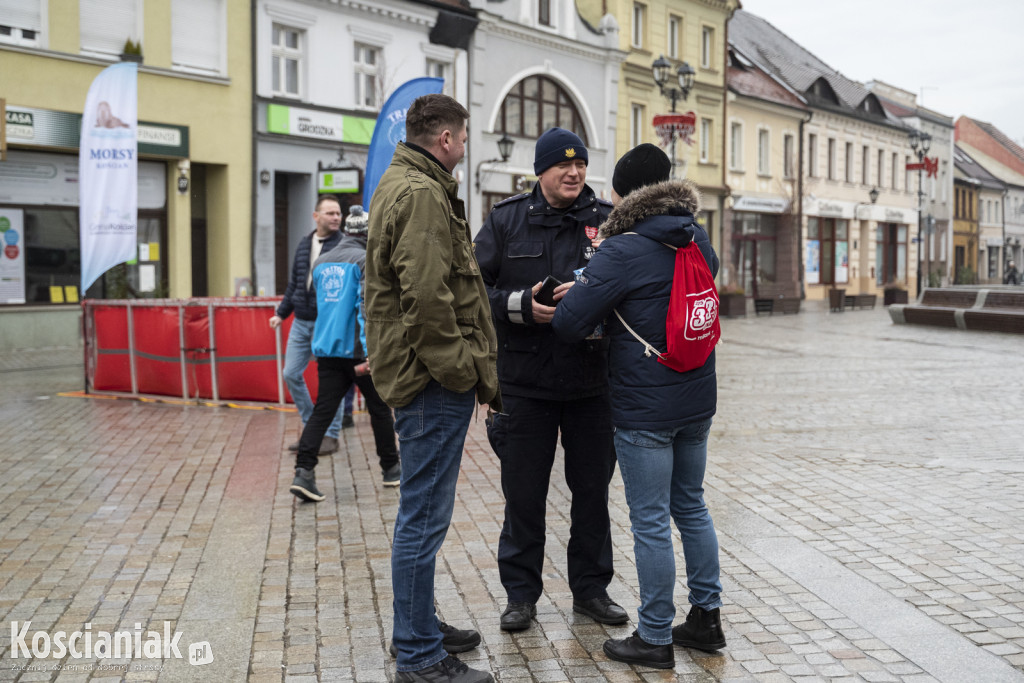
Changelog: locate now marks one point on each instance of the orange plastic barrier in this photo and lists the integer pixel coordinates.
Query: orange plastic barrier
(219, 349)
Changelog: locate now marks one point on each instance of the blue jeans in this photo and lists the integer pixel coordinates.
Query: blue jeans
(297, 355)
(432, 433)
(663, 472)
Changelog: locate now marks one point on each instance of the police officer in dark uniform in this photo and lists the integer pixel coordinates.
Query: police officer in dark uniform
(549, 386)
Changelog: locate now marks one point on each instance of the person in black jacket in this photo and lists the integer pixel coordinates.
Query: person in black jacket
(662, 417)
(549, 386)
(300, 299)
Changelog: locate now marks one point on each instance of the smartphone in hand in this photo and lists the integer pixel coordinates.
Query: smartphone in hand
(546, 294)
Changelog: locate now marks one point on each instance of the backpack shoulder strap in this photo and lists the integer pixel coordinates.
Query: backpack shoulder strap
(648, 349)
(653, 240)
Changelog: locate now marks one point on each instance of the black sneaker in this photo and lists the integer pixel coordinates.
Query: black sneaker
(347, 421)
(393, 475)
(452, 639)
(448, 670)
(702, 630)
(304, 486)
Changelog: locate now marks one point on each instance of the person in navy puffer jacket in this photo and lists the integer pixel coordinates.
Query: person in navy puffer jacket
(661, 417)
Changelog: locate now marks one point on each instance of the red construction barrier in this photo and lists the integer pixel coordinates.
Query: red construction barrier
(219, 349)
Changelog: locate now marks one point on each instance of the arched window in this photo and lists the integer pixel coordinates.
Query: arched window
(535, 104)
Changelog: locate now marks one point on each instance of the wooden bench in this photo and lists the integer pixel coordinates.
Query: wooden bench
(779, 304)
(996, 309)
(1001, 311)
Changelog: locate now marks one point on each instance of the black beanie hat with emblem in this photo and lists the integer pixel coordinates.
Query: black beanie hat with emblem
(556, 145)
(643, 165)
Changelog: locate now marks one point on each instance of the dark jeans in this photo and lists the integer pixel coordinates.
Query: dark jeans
(432, 429)
(525, 437)
(336, 375)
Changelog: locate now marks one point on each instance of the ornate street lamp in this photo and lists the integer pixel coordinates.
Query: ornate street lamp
(680, 89)
(505, 145)
(920, 143)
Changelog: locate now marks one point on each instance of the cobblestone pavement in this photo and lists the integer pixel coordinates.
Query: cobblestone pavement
(866, 480)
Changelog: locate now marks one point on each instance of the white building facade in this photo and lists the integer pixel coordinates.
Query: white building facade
(535, 65)
(324, 69)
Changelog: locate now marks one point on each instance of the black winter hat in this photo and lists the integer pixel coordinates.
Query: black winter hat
(556, 145)
(643, 165)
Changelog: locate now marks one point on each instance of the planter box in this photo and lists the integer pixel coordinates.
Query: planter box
(894, 296)
(732, 305)
(836, 299)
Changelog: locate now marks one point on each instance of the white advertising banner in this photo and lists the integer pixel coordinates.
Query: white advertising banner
(107, 171)
(12, 260)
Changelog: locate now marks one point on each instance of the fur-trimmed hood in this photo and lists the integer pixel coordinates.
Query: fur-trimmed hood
(672, 197)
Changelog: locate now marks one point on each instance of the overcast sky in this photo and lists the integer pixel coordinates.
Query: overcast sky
(967, 56)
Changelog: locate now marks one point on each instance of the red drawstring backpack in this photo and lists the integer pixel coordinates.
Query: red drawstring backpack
(691, 326)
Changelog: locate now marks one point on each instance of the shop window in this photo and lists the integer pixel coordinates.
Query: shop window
(827, 251)
(890, 254)
(754, 255)
(535, 104)
(286, 49)
(104, 25)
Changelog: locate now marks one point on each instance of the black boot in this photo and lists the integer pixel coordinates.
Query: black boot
(702, 630)
(635, 650)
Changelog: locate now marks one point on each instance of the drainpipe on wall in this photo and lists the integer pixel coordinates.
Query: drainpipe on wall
(800, 207)
(725, 119)
(1002, 266)
(253, 172)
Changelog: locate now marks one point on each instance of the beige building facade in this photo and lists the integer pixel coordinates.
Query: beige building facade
(195, 147)
(690, 31)
(849, 241)
(760, 249)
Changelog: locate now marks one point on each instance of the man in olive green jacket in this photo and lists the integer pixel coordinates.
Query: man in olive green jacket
(433, 353)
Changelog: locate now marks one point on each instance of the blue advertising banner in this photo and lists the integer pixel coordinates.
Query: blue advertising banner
(390, 129)
(108, 171)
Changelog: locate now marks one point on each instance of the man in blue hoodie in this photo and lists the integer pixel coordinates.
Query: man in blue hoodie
(300, 300)
(339, 344)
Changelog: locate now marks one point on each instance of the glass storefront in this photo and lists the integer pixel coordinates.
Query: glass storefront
(42, 188)
(754, 253)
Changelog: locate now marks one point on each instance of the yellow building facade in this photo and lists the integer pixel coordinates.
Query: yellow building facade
(690, 31)
(195, 144)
